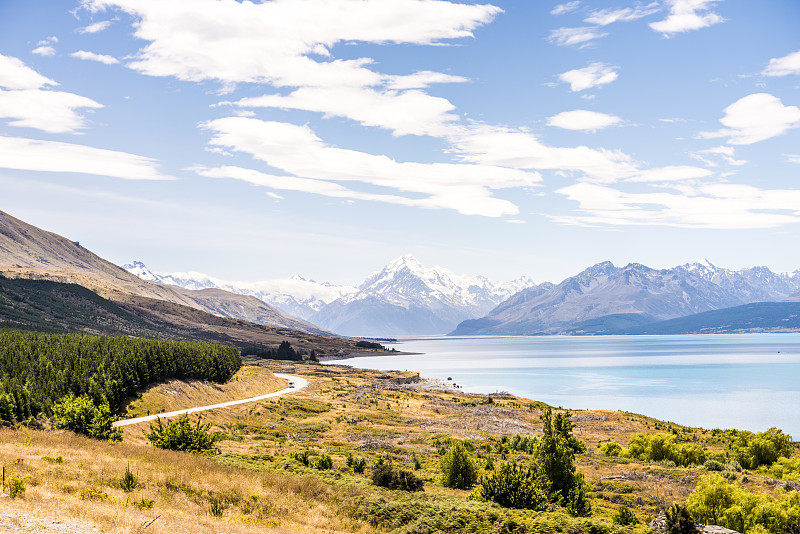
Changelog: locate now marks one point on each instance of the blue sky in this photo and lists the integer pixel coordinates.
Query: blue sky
(251, 141)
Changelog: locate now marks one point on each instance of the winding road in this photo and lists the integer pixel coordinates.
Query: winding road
(299, 383)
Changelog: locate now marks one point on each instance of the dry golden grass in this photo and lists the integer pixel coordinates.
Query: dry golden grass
(365, 413)
(249, 381)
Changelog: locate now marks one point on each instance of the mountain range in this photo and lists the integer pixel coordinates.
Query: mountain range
(403, 298)
(607, 299)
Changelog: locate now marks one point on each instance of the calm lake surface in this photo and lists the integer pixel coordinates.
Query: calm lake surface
(748, 381)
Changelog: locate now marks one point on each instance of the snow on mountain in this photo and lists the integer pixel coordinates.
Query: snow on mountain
(407, 298)
(607, 298)
(294, 295)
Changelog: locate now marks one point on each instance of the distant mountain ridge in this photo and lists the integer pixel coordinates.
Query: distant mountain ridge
(605, 298)
(295, 295)
(403, 298)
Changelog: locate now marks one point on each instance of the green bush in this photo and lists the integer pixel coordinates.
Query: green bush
(182, 435)
(624, 516)
(358, 465)
(679, 521)
(713, 465)
(611, 449)
(513, 486)
(384, 475)
(324, 462)
(128, 482)
(81, 415)
(301, 457)
(16, 487)
(144, 503)
(458, 469)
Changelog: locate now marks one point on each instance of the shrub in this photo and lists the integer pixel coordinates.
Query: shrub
(384, 475)
(611, 449)
(624, 516)
(679, 521)
(128, 482)
(324, 462)
(301, 457)
(217, 507)
(81, 415)
(183, 436)
(358, 465)
(513, 486)
(458, 469)
(16, 487)
(144, 503)
(713, 465)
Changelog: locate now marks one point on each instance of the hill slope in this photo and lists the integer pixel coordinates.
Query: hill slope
(30, 252)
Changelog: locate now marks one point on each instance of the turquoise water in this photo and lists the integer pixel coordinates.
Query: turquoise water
(749, 381)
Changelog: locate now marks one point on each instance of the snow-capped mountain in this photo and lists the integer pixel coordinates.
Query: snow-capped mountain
(606, 298)
(294, 295)
(407, 298)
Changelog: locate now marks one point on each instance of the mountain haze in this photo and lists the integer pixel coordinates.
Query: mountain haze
(605, 298)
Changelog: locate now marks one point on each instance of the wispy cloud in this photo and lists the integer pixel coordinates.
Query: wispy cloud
(604, 17)
(581, 37)
(783, 66)
(755, 118)
(719, 206)
(563, 9)
(313, 166)
(687, 15)
(727, 154)
(96, 27)
(583, 120)
(91, 56)
(50, 156)
(594, 75)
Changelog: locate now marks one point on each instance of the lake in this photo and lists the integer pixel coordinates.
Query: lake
(747, 381)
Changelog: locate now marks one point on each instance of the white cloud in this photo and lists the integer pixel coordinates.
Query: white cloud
(594, 75)
(754, 118)
(14, 74)
(408, 112)
(196, 40)
(725, 153)
(95, 27)
(50, 156)
(422, 79)
(783, 66)
(671, 173)
(719, 206)
(25, 99)
(575, 36)
(91, 56)
(519, 149)
(44, 51)
(687, 15)
(793, 158)
(562, 9)
(318, 167)
(604, 17)
(584, 120)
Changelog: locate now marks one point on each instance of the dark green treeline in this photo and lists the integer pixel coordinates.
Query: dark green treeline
(37, 369)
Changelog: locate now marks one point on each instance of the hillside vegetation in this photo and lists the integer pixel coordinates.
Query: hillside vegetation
(37, 369)
(316, 460)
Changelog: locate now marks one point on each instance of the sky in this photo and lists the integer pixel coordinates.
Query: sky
(255, 140)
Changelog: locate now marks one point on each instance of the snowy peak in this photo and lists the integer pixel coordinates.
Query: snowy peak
(294, 295)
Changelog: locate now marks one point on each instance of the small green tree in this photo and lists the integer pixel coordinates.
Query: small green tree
(324, 462)
(384, 475)
(679, 521)
(513, 486)
(712, 496)
(555, 458)
(458, 469)
(624, 516)
(128, 482)
(182, 435)
(81, 415)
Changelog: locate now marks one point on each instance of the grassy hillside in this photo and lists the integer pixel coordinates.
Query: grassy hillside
(258, 485)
